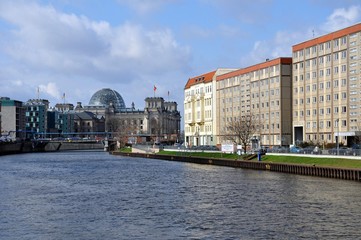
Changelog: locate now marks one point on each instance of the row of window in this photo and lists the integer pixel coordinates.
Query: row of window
(326, 124)
(321, 86)
(322, 98)
(326, 46)
(321, 111)
(322, 73)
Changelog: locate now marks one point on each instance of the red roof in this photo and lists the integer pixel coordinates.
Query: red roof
(327, 37)
(255, 67)
(204, 78)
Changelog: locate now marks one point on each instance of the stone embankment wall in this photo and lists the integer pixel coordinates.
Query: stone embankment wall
(339, 173)
(80, 146)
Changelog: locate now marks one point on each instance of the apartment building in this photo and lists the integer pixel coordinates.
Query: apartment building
(199, 109)
(36, 117)
(327, 87)
(264, 91)
(12, 118)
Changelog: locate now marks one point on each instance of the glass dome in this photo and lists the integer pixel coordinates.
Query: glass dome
(106, 96)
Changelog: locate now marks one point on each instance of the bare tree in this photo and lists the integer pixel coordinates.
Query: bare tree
(121, 129)
(242, 130)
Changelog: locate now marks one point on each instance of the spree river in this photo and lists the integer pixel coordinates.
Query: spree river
(94, 195)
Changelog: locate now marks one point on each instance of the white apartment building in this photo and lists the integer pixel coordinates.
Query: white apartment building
(264, 91)
(199, 109)
(327, 87)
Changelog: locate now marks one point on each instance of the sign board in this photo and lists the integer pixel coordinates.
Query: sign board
(227, 148)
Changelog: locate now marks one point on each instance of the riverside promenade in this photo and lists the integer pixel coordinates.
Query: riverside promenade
(317, 171)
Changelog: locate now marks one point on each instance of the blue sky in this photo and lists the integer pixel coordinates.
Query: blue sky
(77, 47)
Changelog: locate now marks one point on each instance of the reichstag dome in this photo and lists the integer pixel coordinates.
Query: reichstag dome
(106, 96)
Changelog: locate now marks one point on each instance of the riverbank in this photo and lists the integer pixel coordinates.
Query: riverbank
(302, 169)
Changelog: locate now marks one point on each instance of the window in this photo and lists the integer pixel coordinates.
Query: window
(320, 60)
(314, 87)
(335, 96)
(321, 73)
(335, 83)
(328, 58)
(320, 47)
(344, 123)
(343, 54)
(328, 85)
(343, 68)
(335, 43)
(343, 40)
(328, 45)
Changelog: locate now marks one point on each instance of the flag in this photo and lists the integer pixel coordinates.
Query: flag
(155, 88)
(168, 93)
(63, 96)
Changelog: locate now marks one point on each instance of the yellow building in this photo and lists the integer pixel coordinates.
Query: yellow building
(326, 87)
(199, 109)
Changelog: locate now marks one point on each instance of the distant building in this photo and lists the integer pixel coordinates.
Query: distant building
(87, 123)
(63, 107)
(158, 121)
(12, 121)
(36, 117)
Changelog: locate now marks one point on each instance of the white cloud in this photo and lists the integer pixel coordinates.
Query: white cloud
(50, 89)
(281, 44)
(341, 18)
(145, 6)
(67, 52)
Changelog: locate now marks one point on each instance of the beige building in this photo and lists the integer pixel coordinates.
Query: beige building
(327, 87)
(264, 91)
(200, 109)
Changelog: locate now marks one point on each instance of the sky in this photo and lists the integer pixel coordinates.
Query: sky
(52, 48)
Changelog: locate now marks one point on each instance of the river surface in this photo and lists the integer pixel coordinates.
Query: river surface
(94, 195)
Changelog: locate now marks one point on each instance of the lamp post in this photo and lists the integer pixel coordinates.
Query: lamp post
(338, 137)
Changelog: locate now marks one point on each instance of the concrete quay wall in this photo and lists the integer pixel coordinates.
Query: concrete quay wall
(338, 173)
(64, 146)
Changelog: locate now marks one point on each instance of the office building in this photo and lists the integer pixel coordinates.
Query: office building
(263, 91)
(327, 88)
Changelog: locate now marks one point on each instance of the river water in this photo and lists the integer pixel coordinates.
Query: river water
(94, 195)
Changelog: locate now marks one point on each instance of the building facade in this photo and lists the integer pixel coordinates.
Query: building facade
(36, 117)
(159, 121)
(327, 87)
(263, 91)
(200, 109)
(12, 118)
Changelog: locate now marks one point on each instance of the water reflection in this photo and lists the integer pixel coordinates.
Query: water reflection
(92, 195)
